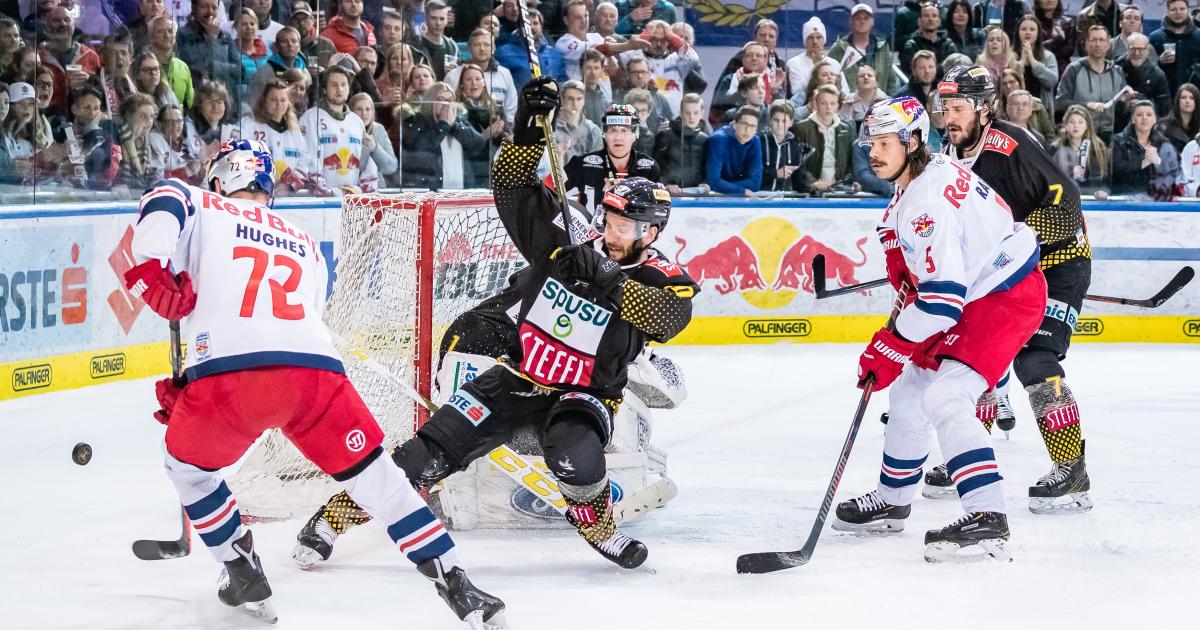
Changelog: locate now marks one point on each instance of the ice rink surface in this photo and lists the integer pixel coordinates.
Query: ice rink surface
(751, 449)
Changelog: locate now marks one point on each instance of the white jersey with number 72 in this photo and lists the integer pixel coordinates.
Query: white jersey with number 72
(260, 281)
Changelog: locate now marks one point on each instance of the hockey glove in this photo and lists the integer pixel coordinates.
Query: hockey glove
(583, 263)
(884, 359)
(170, 296)
(539, 97)
(167, 392)
(897, 267)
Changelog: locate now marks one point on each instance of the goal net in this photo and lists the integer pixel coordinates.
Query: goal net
(408, 264)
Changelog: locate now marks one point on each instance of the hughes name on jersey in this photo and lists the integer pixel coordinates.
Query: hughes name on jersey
(567, 338)
(959, 241)
(260, 283)
(1039, 192)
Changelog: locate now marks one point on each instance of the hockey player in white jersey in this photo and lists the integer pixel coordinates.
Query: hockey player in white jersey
(335, 136)
(273, 123)
(250, 295)
(974, 296)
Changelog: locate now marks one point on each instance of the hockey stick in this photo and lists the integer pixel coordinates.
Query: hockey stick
(768, 561)
(1181, 279)
(514, 466)
(167, 549)
(546, 122)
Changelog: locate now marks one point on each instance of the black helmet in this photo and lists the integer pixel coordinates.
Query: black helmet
(970, 82)
(621, 115)
(641, 200)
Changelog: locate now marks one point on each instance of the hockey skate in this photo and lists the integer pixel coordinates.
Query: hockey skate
(315, 541)
(938, 484)
(1062, 490)
(594, 520)
(870, 514)
(478, 609)
(1005, 419)
(986, 531)
(244, 585)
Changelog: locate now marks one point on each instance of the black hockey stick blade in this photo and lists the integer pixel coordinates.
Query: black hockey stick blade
(1180, 280)
(166, 549)
(818, 272)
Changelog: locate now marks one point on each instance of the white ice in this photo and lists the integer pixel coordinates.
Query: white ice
(751, 449)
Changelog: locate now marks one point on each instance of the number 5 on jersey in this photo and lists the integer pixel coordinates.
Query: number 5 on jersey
(280, 307)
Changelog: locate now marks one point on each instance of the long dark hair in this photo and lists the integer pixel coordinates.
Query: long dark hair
(1193, 125)
(950, 17)
(1058, 11)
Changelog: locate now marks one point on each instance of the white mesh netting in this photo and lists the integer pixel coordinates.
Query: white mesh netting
(394, 295)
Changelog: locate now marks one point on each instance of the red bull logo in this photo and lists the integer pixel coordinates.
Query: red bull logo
(343, 161)
(923, 225)
(768, 263)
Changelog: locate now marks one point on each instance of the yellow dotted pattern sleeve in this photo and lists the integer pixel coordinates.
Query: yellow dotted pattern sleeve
(661, 313)
(516, 166)
(1055, 224)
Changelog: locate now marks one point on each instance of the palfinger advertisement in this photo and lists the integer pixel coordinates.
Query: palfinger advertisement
(67, 321)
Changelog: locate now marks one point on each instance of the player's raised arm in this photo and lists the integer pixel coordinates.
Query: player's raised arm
(165, 212)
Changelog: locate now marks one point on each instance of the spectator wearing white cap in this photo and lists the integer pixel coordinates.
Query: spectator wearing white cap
(929, 36)
(801, 66)
(862, 47)
(24, 133)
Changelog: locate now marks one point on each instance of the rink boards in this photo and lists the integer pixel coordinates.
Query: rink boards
(66, 320)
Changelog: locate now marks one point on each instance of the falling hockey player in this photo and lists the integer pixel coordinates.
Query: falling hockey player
(583, 316)
(247, 340)
(1044, 197)
(477, 337)
(975, 295)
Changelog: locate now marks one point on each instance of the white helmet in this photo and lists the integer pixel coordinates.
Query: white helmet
(902, 116)
(241, 165)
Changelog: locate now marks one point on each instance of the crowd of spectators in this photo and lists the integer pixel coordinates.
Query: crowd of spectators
(353, 95)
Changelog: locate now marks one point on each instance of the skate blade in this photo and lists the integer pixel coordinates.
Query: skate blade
(939, 492)
(874, 528)
(474, 620)
(1072, 503)
(305, 558)
(263, 611)
(989, 549)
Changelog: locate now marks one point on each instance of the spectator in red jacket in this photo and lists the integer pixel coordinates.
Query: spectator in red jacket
(70, 62)
(348, 30)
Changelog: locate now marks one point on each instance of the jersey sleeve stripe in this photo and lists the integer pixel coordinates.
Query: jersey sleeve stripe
(939, 310)
(942, 286)
(940, 298)
(167, 196)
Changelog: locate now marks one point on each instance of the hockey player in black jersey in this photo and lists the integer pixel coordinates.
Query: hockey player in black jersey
(582, 318)
(591, 175)
(1047, 200)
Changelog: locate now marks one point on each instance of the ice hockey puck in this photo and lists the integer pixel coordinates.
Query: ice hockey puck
(82, 453)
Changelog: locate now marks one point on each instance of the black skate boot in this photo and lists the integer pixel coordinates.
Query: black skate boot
(315, 541)
(988, 530)
(1005, 419)
(938, 484)
(480, 610)
(1064, 489)
(870, 514)
(244, 585)
(594, 520)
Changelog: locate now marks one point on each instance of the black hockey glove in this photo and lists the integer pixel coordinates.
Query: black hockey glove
(539, 97)
(583, 263)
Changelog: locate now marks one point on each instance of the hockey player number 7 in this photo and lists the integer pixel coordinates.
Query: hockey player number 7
(280, 307)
